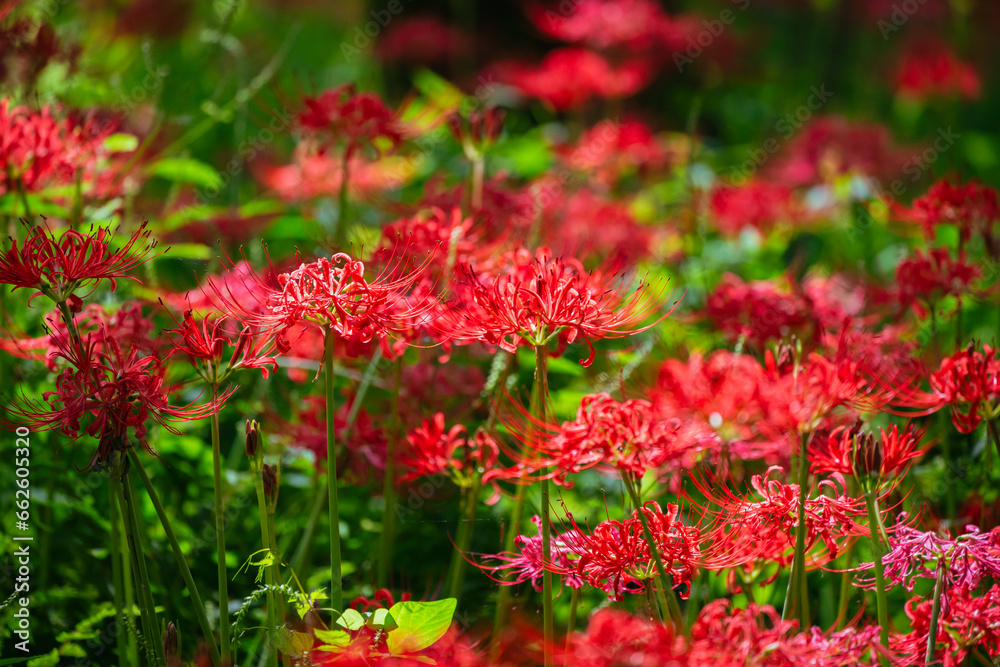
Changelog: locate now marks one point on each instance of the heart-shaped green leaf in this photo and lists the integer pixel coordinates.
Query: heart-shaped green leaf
(419, 624)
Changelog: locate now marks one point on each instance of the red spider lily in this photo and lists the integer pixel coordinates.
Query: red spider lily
(925, 279)
(568, 78)
(757, 204)
(432, 450)
(540, 298)
(527, 564)
(615, 556)
(56, 266)
(629, 436)
(968, 622)
(934, 71)
(970, 207)
(114, 391)
(969, 382)
(362, 445)
(828, 147)
(354, 118)
(205, 343)
(964, 561)
(328, 293)
(836, 452)
(609, 150)
(504, 208)
(602, 24)
(760, 311)
(748, 528)
(127, 325)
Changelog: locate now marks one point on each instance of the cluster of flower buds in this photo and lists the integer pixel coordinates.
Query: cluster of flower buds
(477, 131)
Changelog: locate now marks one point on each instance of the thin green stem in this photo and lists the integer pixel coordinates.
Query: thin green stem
(654, 606)
(504, 596)
(796, 596)
(220, 536)
(118, 578)
(541, 410)
(466, 526)
(342, 204)
(272, 625)
(336, 571)
(304, 548)
(389, 483)
(663, 589)
(192, 589)
(276, 567)
(880, 596)
(146, 607)
(935, 612)
(574, 605)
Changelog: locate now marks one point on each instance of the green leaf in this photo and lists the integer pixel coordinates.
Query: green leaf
(335, 639)
(381, 619)
(420, 624)
(17, 661)
(302, 643)
(121, 143)
(186, 170)
(351, 619)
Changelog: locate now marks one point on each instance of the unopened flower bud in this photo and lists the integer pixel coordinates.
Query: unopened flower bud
(170, 641)
(494, 123)
(253, 440)
(270, 475)
(476, 126)
(867, 455)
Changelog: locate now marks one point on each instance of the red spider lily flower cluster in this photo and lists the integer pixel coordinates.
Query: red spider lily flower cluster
(934, 71)
(38, 150)
(757, 204)
(56, 265)
(107, 392)
(837, 452)
(922, 280)
(328, 293)
(972, 208)
(969, 383)
(615, 556)
(966, 622)
(963, 561)
(758, 311)
(355, 119)
(539, 298)
(432, 450)
(624, 436)
(527, 564)
(205, 343)
(762, 528)
(612, 149)
(722, 635)
(583, 223)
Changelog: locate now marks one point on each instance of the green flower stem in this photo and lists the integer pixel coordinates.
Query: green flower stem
(654, 607)
(664, 590)
(797, 595)
(276, 567)
(541, 409)
(336, 571)
(192, 589)
(220, 536)
(342, 204)
(504, 595)
(935, 612)
(883, 606)
(147, 610)
(118, 578)
(389, 484)
(258, 483)
(574, 606)
(845, 592)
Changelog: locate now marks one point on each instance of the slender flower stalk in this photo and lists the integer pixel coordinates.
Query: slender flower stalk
(876, 541)
(255, 453)
(663, 589)
(797, 595)
(935, 612)
(541, 410)
(117, 577)
(389, 484)
(199, 607)
(336, 571)
(220, 537)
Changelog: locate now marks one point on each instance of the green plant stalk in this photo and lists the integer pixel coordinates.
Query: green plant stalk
(654, 606)
(541, 399)
(117, 577)
(336, 571)
(129, 594)
(664, 591)
(147, 610)
(341, 234)
(574, 606)
(504, 596)
(192, 589)
(935, 612)
(258, 483)
(796, 596)
(880, 597)
(276, 567)
(220, 537)
(389, 484)
(845, 594)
